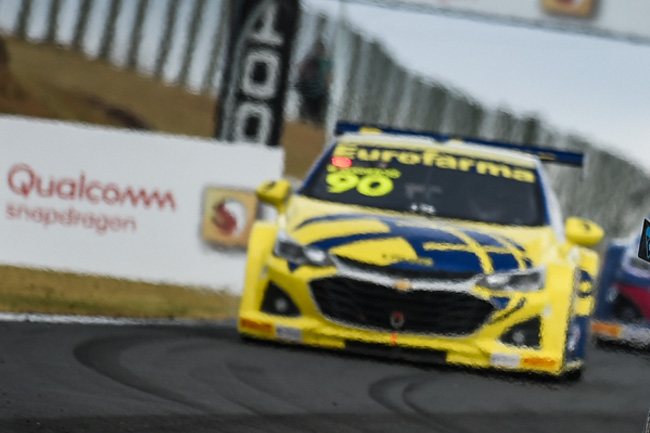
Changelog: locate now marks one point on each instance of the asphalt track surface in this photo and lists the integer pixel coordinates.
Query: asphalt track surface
(202, 378)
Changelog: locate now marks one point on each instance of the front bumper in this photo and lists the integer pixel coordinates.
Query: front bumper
(481, 348)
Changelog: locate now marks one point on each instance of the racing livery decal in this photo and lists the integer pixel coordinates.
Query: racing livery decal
(440, 247)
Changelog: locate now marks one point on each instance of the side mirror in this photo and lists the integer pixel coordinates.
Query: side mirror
(583, 232)
(644, 245)
(274, 193)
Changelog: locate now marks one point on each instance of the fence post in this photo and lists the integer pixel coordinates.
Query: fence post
(419, 108)
(22, 24)
(348, 100)
(476, 117)
(488, 125)
(108, 37)
(190, 44)
(218, 46)
(440, 104)
(367, 82)
(427, 108)
(417, 99)
(319, 31)
(403, 102)
(360, 74)
(377, 89)
(568, 181)
(504, 124)
(81, 24)
(455, 114)
(341, 57)
(396, 80)
(531, 130)
(517, 132)
(166, 42)
(548, 136)
(53, 21)
(303, 42)
(136, 34)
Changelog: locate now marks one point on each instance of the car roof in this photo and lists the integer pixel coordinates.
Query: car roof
(453, 146)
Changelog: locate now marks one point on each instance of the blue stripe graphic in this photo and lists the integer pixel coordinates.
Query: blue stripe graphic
(455, 261)
(417, 236)
(584, 276)
(503, 261)
(484, 239)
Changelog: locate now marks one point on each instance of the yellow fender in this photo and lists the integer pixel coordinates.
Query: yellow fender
(589, 262)
(260, 246)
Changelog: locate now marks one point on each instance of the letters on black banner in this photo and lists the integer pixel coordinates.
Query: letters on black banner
(251, 102)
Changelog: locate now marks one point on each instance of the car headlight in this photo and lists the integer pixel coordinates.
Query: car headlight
(289, 249)
(529, 280)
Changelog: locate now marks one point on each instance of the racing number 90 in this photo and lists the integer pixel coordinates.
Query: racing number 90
(372, 185)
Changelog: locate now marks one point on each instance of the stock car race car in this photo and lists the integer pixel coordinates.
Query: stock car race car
(423, 248)
(623, 293)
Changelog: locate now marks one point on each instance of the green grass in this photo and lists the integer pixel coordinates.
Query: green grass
(56, 83)
(42, 291)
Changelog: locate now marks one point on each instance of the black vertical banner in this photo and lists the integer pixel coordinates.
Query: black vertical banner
(252, 97)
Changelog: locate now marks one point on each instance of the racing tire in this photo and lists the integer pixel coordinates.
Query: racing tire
(626, 311)
(573, 376)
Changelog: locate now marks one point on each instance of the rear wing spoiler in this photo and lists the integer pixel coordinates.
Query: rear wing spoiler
(574, 159)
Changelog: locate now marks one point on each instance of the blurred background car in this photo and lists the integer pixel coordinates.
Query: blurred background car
(623, 295)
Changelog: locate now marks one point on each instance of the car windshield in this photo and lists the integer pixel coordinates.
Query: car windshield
(430, 182)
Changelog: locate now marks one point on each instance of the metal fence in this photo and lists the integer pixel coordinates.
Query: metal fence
(182, 43)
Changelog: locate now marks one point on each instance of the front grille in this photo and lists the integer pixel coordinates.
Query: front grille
(423, 274)
(418, 311)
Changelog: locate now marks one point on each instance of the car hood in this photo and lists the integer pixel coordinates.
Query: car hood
(400, 241)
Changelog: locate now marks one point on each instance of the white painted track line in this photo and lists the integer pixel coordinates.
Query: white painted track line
(99, 320)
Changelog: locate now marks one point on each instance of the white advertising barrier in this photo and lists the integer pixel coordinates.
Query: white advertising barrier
(124, 204)
(626, 19)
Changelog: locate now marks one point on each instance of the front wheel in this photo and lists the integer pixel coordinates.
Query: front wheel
(626, 311)
(573, 375)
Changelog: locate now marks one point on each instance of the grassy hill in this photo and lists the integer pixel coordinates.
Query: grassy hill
(52, 82)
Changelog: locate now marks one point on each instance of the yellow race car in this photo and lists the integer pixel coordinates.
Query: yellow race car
(424, 249)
